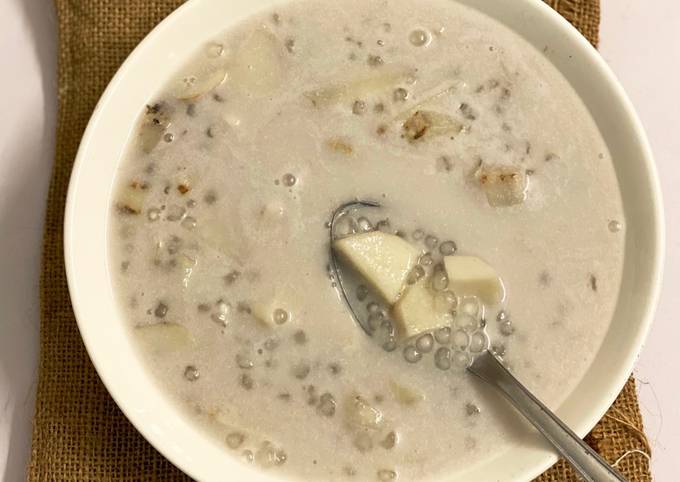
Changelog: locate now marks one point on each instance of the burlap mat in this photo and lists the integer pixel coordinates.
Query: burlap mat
(78, 432)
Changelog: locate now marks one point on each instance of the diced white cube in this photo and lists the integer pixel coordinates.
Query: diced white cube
(417, 312)
(384, 260)
(469, 275)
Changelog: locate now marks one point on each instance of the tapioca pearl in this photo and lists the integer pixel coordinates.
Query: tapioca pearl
(189, 223)
(271, 343)
(418, 234)
(375, 320)
(384, 226)
(478, 342)
(440, 279)
(389, 441)
(415, 274)
(465, 322)
(419, 37)
(246, 381)
(301, 370)
(411, 354)
(214, 50)
(232, 277)
(175, 213)
(364, 225)
(400, 94)
(153, 214)
(426, 259)
(373, 307)
(191, 373)
(507, 328)
(362, 292)
(471, 306)
(390, 345)
(280, 316)
(191, 203)
(161, 310)
(359, 107)
(244, 361)
(424, 343)
(248, 456)
(326, 405)
(300, 337)
(498, 349)
(471, 409)
(615, 226)
(447, 248)
(375, 60)
(235, 440)
(386, 475)
(431, 241)
(443, 335)
(288, 180)
(460, 340)
(442, 358)
(502, 316)
(461, 359)
(363, 442)
(268, 455)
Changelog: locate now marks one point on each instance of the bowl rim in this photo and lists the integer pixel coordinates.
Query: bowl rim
(147, 419)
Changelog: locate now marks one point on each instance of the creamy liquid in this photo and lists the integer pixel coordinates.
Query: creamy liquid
(220, 216)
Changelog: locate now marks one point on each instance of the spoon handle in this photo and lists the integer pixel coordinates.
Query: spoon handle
(583, 459)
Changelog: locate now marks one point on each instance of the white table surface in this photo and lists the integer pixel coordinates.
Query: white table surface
(640, 40)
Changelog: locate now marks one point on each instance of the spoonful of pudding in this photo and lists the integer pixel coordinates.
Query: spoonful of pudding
(426, 298)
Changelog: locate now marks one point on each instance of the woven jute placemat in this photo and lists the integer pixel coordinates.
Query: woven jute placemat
(79, 433)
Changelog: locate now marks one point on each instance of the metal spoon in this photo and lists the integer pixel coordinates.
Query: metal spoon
(489, 368)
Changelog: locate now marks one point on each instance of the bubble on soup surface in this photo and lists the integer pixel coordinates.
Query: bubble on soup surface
(502, 315)
(419, 37)
(191, 373)
(443, 335)
(235, 440)
(280, 316)
(168, 137)
(411, 354)
(288, 180)
(424, 343)
(442, 358)
(498, 349)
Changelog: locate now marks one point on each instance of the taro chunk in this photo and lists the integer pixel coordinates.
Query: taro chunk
(164, 337)
(384, 260)
(469, 275)
(417, 311)
(424, 123)
(360, 415)
(258, 67)
(503, 185)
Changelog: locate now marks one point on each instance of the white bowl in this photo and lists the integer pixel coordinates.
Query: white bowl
(151, 65)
